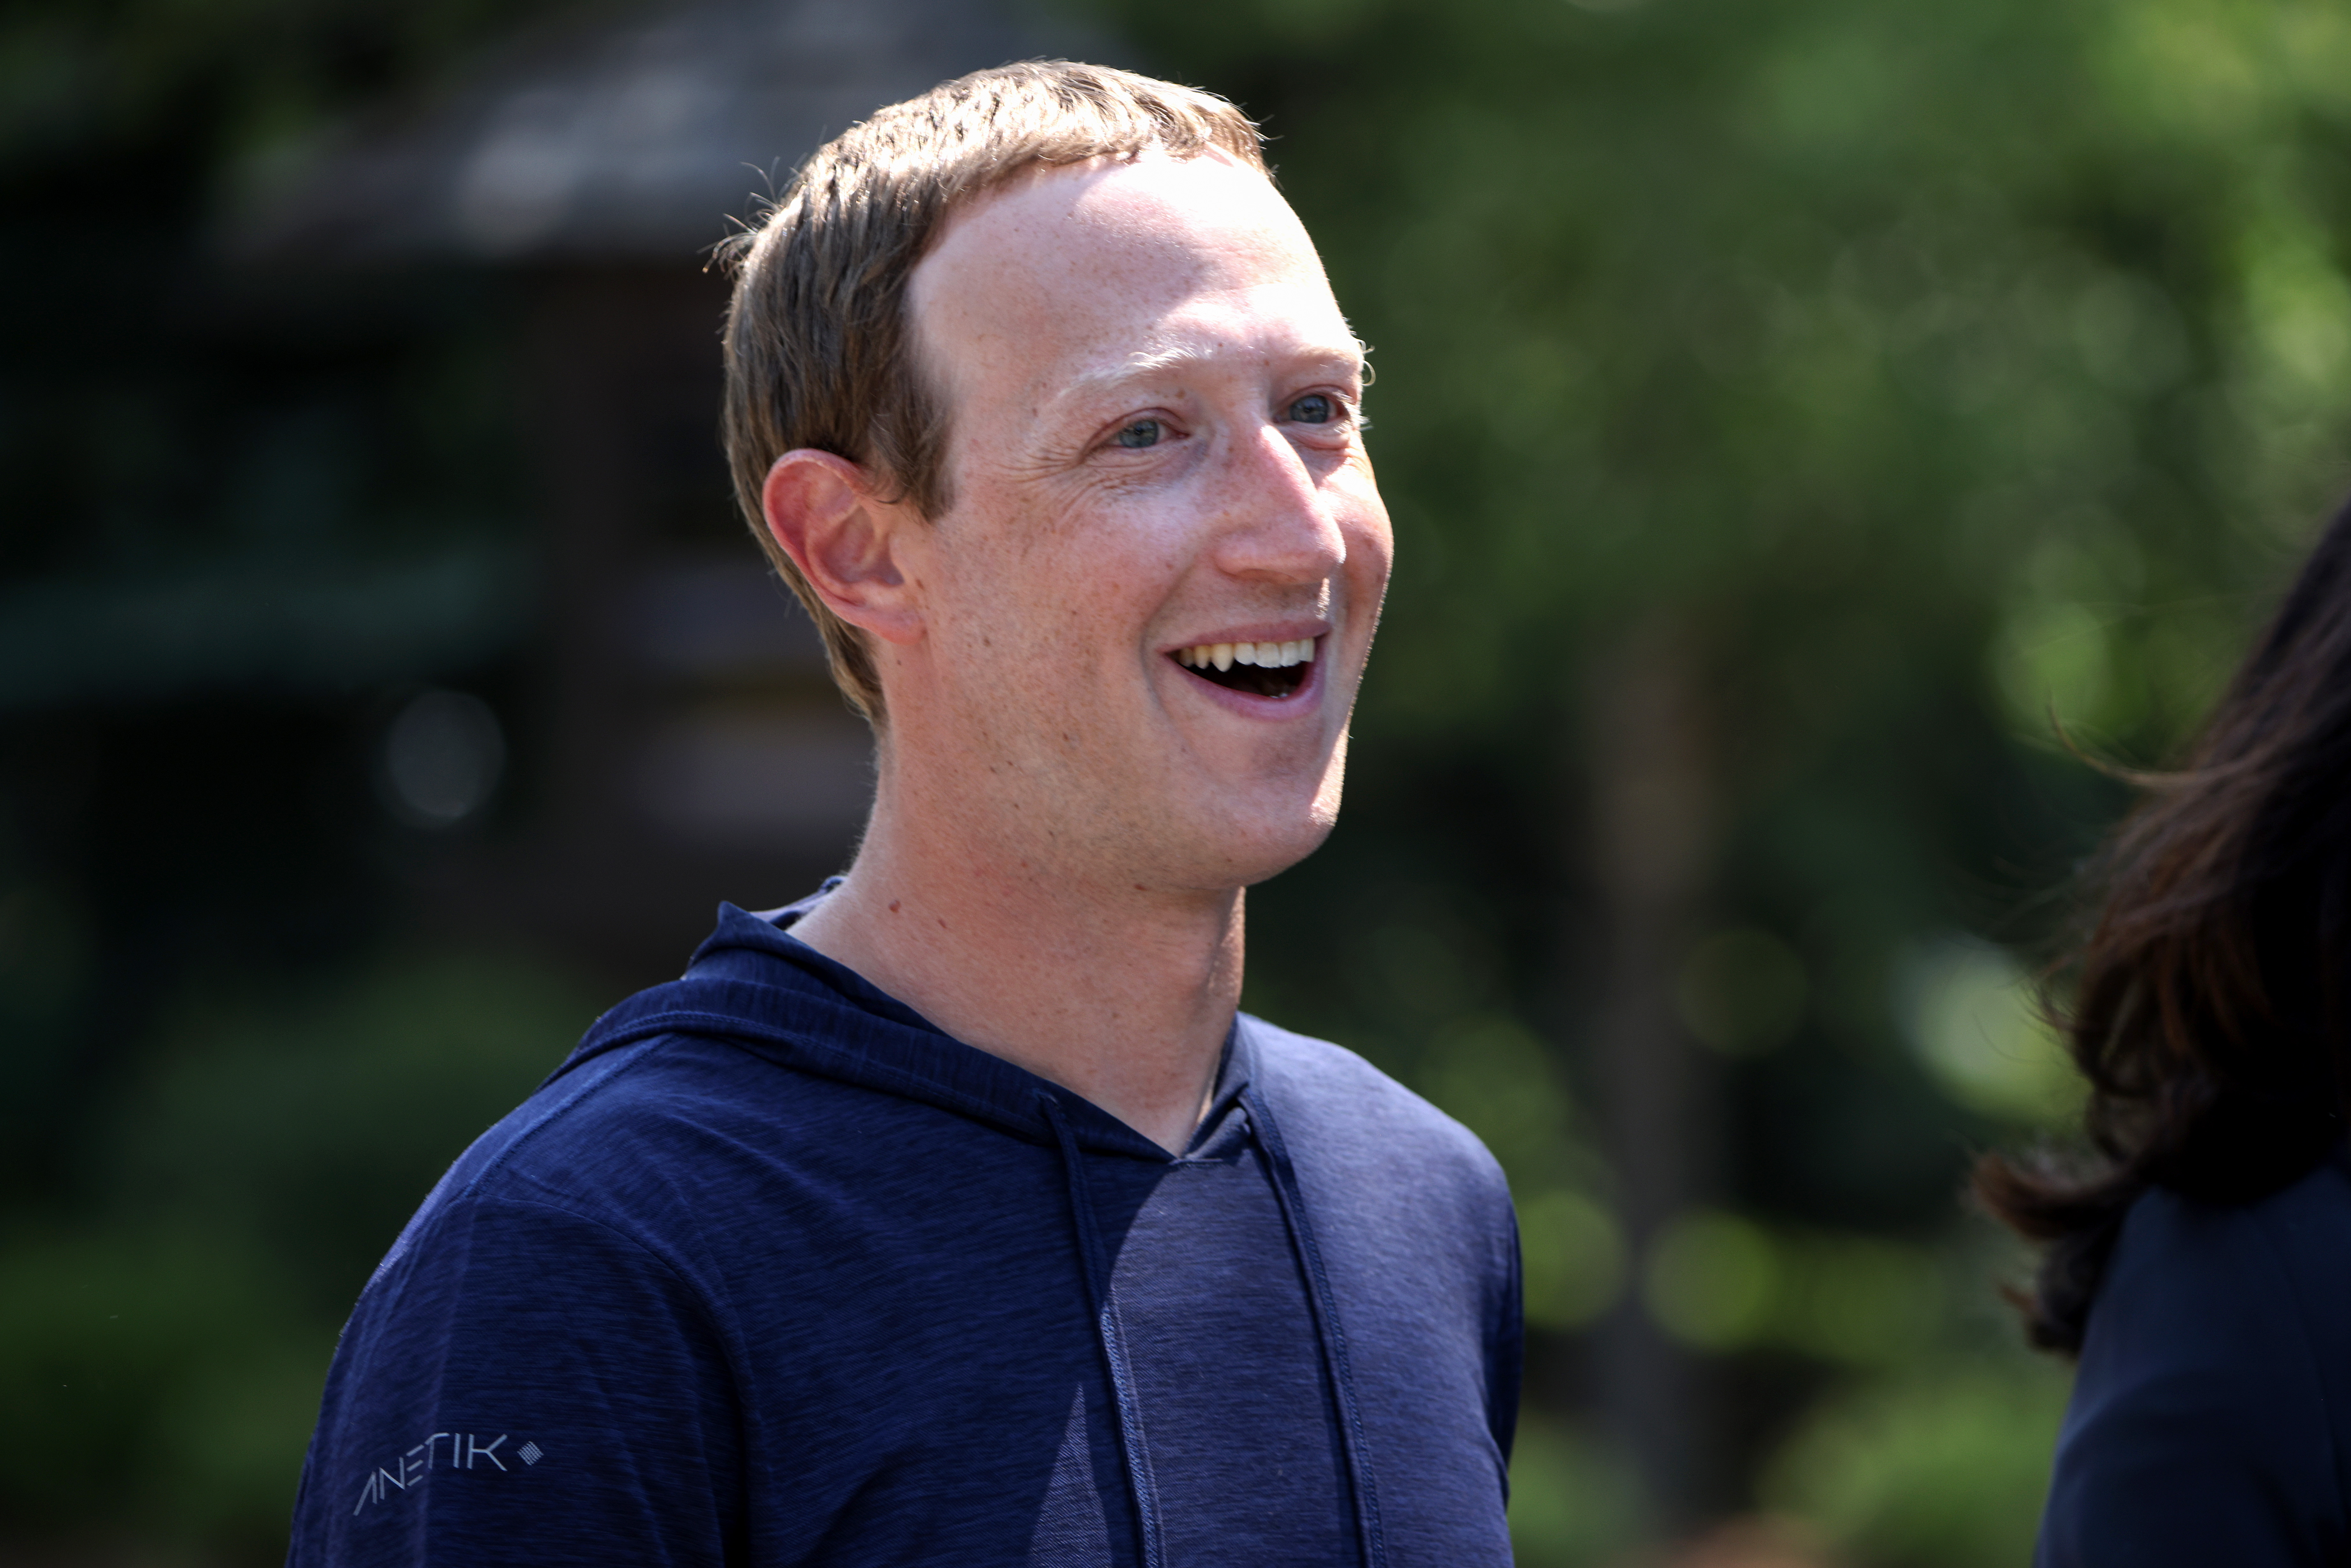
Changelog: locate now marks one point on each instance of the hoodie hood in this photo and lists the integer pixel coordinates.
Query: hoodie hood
(752, 982)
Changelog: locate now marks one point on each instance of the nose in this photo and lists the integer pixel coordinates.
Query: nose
(1277, 520)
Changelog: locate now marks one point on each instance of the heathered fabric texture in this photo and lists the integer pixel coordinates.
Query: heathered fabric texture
(772, 1271)
(2211, 1418)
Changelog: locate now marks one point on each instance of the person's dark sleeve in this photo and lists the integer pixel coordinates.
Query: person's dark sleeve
(2199, 1432)
(523, 1385)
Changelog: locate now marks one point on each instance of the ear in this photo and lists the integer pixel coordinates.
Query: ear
(823, 510)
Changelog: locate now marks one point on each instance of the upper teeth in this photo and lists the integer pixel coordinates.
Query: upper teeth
(1265, 655)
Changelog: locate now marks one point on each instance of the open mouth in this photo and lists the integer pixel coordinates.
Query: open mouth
(1261, 669)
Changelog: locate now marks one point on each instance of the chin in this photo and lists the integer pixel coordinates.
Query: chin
(1233, 839)
(1254, 851)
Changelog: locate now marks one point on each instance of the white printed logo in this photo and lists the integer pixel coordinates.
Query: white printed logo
(466, 1450)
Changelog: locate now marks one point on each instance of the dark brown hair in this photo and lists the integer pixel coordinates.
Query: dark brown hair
(2207, 1000)
(818, 352)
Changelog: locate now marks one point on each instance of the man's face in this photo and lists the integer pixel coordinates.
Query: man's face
(1155, 448)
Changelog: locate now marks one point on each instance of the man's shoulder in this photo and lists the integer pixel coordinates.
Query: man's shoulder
(637, 1139)
(607, 1110)
(1337, 1107)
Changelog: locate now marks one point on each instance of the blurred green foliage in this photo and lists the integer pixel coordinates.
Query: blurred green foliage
(1571, 1501)
(1944, 1467)
(162, 1341)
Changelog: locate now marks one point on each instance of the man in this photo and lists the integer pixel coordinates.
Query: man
(953, 1215)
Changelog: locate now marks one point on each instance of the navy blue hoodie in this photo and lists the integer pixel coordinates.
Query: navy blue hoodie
(773, 1271)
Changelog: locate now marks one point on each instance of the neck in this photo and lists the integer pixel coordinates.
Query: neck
(1122, 994)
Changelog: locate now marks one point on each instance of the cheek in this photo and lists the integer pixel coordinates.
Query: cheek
(1075, 579)
(1371, 550)
(1042, 618)
(1112, 570)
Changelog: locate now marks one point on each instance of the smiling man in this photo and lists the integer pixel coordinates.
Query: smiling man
(955, 1215)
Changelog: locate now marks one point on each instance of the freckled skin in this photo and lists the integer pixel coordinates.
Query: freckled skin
(1066, 566)
(1152, 443)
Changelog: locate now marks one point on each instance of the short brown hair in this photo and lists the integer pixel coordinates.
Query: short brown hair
(818, 351)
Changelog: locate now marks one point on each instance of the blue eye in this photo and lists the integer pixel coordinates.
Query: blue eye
(1315, 408)
(1141, 434)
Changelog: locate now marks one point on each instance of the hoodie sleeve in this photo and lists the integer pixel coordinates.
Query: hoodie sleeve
(2198, 1431)
(523, 1385)
(1506, 1353)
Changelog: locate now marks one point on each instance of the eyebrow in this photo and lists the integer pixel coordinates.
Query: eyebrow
(1137, 366)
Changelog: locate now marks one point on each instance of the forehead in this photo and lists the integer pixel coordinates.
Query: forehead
(1071, 278)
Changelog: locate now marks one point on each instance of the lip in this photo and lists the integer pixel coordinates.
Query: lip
(1305, 700)
(1258, 632)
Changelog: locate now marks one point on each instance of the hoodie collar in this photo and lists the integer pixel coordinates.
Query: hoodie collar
(754, 984)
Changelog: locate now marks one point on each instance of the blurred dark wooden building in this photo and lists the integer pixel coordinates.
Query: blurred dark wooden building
(680, 741)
